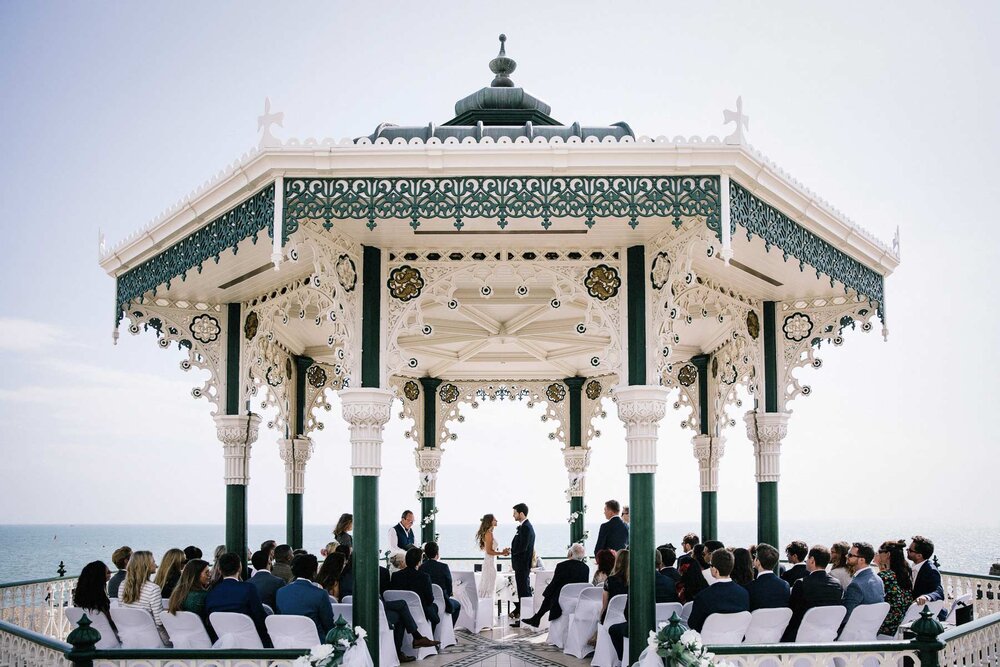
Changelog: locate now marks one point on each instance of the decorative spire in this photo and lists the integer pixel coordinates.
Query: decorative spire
(502, 67)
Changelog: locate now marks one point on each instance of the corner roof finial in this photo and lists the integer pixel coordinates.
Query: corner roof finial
(502, 67)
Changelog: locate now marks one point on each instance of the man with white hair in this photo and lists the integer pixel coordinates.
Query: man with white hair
(570, 571)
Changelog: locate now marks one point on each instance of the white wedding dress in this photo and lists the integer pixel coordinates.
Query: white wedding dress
(488, 580)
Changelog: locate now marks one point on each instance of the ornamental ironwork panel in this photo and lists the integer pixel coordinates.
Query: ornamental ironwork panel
(223, 233)
(501, 197)
(777, 229)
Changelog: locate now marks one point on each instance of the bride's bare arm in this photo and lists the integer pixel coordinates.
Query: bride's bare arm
(489, 546)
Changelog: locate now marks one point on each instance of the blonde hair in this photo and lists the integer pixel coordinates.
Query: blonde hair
(140, 567)
(173, 561)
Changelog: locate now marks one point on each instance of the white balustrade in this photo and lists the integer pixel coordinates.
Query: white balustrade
(17, 650)
(38, 606)
(985, 591)
(976, 643)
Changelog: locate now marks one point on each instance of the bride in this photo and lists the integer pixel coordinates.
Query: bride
(486, 542)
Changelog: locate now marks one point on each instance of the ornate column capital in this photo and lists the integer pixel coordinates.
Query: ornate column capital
(295, 452)
(366, 411)
(237, 434)
(708, 450)
(428, 463)
(641, 407)
(577, 460)
(766, 430)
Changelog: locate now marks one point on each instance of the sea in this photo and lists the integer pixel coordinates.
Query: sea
(36, 551)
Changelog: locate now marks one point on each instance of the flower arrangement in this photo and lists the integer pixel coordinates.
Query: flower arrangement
(429, 519)
(332, 651)
(680, 647)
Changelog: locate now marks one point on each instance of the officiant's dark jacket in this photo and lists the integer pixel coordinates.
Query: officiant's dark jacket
(613, 535)
(522, 547)
(440, 574)
(412, 579)
(569, 571)
(817, 589)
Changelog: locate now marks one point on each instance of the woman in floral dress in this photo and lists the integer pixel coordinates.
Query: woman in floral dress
(896, 576)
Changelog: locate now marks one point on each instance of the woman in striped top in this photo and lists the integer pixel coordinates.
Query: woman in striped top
(139, 592)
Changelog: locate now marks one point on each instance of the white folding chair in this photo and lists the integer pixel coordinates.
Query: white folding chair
(136, 628)
(290, 631)
(820, 625)
(347, 599)
(664, 610)
(542, 579)
(445, 630)
(686, 611)
(412, 601)
(476, 613)
(725, 628)
(961, 601)
(864, 623)
(913, 611)
(235, 630)
(386, 645)
(604, 652)
(568, 597)
(98, 621)
(767, 625)
(583, 622)
(345, 610)
(186, 630)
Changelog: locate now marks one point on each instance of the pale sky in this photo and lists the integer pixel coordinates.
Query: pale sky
(112, 111)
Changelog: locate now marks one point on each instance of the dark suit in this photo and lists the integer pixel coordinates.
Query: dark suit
(928, 583)
(303, 598)
(818, 589)
(239, 597)
(723, 597)
(794, 573)
(613, 535)
(267, 585)
(570, 571)
(440, 574)
(684, 559)
(522, 554)
(768, 591)
(412, 579)
(666, 591)
(397, 612)
(673, 573)
(115, 582)
(347, 581)
(865, 588)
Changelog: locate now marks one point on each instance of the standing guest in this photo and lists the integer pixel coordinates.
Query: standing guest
(522, 557)
(216, 574)
(138, 591)
(91, 593)
(120, 559)
(400, 536)
(192, 553)
(723, 597)
(614, 531)
(170, 571)
(440, 574)
(617, 582)
(865, 587)
(767, 590)
(341, 533)
(347, 576)
(926, 578)
(838, 563)
(240, 597)
(897, 578)
(302, 598)
(688, 543)
(263, 579)
(743, 572)
(816, 589)
(282, 566)
(625, 515)
(192, 589)
(605, 560)
(570, 571)
(669, 558)
(796, 552)
(329, 574)
(409, 578)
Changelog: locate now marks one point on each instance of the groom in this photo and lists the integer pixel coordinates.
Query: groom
(522, 555)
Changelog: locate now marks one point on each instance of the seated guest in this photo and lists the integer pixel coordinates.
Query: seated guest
(617, 583)
(192, 553)
(710, 547)
(614, 532)
(120, 559)
(767, 590)
(723, 597)
(669, 559)
(91, 594)
(216, 574)
(838, 563)
(302, 598)
(688, 543)
(570, 571)
(266, 583)
(897, 579)
(440, 574)
(865, 587)
(268, 547)
(233, 595)
(329, 573)
(692, 580)
(282, 565)
(926, 578)
(139, 592)
(605, 561)
(796, 553)
(409, 578)
(743, 572)
(192, 588)
(665, 592)
(398, 615)
(347, 576)
(816, 589)
(170, 571)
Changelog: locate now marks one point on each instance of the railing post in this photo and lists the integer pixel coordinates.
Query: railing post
(926, 630)
(84, 638)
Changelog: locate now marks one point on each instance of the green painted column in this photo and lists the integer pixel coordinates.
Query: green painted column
(366, 560)
(767, 513)
(236, 521)
(293, 520)
(576, 527)
(577, 458)
(709, 515)
(429, 458)
(766, 430)
(426, 510)
(708, 459)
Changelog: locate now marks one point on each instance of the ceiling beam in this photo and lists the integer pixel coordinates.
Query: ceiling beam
(542, 355)
(480, 318)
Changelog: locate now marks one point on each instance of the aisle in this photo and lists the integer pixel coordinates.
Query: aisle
(504, 647)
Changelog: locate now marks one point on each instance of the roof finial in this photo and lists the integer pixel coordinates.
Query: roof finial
(502, 67)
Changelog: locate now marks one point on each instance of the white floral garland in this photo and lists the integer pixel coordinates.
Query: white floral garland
(323, 655)
(429, 519)
(688, 651)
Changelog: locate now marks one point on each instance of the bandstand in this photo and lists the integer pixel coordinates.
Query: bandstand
(501, 255)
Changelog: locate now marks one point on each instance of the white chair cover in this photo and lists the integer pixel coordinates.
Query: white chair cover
(445, 630)
(235, 630)
(542, 579)
(583, 622)
(290, 631)
(820, 624)
(664, 610)
(136, 628)
(358, 656)
(648, 658)
(423, 625)
(345, 610)
(476, 613)
(386, 646)
(186, 630)
(961, 601)
(725, 628)
(568, 597)
(864, 623)
(347, 599)
(686, 611)
(913, 611)
(604, 652)
(767, 625)
(98, 621)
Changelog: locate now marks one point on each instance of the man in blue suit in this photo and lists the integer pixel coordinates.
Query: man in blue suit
(926, 578)
(723, 597)
(266, 583)
(233, 595)
(614, 532)
(767, 590)
(304, 598)
(522, 558)
(440, 574)
(866, 587)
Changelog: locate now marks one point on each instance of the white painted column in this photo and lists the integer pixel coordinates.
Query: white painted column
(428, 461)
(367, 412)
(766, 430)
(577, 460)
(641, 407)
(237, 434)
(708, 451)
(295, 453)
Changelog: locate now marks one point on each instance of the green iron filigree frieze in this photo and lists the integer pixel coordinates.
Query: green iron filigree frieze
(244, 221)
(502, 198)
(777, 229)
